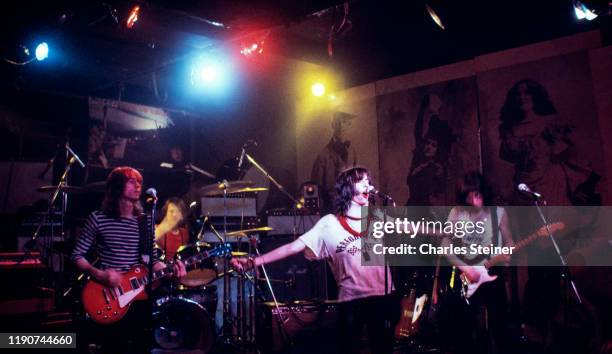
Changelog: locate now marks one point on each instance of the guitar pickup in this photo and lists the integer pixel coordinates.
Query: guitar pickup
(134, 283)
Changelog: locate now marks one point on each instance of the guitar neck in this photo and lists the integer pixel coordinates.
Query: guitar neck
(189, 262)
(519, 246)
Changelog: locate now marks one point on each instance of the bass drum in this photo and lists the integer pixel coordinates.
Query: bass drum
(203, 295)
(182, 324)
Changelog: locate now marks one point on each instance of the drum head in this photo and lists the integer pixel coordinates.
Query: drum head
(199, 277)
(206, 271)
(183, 324)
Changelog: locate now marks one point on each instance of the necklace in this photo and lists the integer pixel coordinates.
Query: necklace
(343, 221)
(354, 218)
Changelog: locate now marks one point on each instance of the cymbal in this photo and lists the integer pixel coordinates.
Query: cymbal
(197, 244)
(215, 190)
(66, 189)
(239, 254)
(250, 190)
(241, 233)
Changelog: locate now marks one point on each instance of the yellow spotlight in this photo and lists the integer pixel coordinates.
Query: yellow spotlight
(318, 89)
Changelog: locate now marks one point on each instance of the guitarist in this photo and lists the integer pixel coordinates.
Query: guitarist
(475, 200)
(114, 233)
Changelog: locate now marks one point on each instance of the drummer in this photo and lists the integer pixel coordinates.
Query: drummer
(171, 233)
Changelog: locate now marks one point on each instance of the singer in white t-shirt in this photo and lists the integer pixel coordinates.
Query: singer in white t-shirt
(361, 289)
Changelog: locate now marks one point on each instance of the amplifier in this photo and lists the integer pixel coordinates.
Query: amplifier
(234, 206)
(286, 224)
(298, 327)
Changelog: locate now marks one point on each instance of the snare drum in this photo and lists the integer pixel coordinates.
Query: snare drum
(182, 324)
(205, 272)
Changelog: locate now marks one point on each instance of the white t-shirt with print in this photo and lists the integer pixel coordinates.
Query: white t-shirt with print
(475, 238)
(342, 250)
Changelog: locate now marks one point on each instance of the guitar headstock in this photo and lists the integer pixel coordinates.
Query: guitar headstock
(222, 250)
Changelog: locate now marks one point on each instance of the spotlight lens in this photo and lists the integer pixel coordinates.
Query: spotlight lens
(318, 89)
(42, 51)
(208, 74)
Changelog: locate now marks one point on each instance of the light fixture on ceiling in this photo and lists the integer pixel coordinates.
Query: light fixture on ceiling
(434, 16)
(591, 9)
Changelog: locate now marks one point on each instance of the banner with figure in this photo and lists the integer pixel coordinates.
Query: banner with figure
(430, 138)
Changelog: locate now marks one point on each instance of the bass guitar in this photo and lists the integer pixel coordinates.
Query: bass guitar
(106, 305)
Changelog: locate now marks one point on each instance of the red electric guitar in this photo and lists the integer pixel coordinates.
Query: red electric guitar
(107, 305)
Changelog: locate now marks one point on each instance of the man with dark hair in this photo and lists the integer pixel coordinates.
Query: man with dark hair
(115, 235)
(337, 238)
(475, 204)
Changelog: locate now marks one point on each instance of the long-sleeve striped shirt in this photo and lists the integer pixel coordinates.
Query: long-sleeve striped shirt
(116, 241)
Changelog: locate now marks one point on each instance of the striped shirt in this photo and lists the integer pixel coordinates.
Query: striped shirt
(115, 240)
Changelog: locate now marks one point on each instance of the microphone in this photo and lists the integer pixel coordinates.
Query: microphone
(525, 189)
(151, 195)
(378, 193)
(76, 157)
(243, 152)
(241, 159)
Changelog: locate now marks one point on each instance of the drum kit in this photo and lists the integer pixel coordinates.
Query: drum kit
(183, 319)
(188, 315)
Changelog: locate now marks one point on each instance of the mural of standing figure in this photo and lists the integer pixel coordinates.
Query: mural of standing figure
(542, 148)
(335, 157)
(433, 138)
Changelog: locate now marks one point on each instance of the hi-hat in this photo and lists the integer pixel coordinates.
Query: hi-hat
(217, 189)
(241, 233)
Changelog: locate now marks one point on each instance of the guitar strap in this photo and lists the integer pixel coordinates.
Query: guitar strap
(145, 239)
(495, 226)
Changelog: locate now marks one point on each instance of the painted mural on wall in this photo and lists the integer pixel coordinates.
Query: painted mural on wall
(428, 139)
(540, 128)
(334, 137)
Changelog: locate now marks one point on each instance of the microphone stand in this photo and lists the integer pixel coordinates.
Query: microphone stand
(558, 250)
(267, 175)
(149, 284)
(265, 273)
(63, 182)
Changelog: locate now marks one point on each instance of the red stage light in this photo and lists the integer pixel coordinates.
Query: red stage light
(253, 48)
(129, 23)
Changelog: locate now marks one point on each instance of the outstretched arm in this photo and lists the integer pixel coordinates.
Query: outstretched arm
(276, 254)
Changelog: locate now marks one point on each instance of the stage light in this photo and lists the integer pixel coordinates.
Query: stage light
(253, 48)
(318, 89)
(42, 51)
(133, 17)
(212, 76)
(591, 9)
(434, 16)
(208, 73)
(582, 12)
